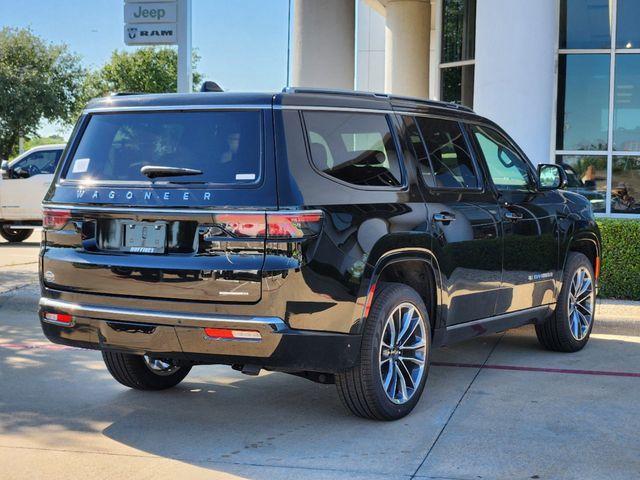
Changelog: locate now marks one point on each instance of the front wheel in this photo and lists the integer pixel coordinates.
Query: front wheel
(14, 235)
(143, 372)
(569, 328)
(394, 357)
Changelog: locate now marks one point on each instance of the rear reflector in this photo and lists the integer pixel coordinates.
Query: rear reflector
(597, 268)
(59, 318)
(369, 301)
(230, 334)
(55, 219)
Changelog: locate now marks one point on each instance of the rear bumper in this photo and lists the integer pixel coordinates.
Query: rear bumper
(178, 335)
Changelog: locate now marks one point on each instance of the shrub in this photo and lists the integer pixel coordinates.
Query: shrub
(620, 272)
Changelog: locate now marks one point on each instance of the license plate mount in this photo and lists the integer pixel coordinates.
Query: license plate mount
(145, 237)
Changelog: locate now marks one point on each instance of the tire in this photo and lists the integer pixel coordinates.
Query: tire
(564, 331)
(362, 388)
(134, 372)
(14, 236)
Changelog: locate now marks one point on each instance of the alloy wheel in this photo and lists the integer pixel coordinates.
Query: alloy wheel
(403, 353)
(161, 366)
(581, 303)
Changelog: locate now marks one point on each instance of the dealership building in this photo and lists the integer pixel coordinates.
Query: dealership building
(561, 76)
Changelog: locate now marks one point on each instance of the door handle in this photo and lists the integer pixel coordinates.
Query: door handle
(514, 217)
(443, 217)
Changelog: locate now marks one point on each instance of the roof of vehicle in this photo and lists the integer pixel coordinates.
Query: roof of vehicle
(289, 97)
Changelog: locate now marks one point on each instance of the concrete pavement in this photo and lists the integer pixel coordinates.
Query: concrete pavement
(498, 407)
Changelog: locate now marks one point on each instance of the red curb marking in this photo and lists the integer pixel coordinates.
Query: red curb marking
(538, 369)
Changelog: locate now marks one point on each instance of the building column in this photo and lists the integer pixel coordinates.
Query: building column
(407, 32)
(323, 44)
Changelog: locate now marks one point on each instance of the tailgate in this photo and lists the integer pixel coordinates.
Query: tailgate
(199, 260)
(111, 228)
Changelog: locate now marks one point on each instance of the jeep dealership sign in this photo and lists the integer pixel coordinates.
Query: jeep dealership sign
(150, 22)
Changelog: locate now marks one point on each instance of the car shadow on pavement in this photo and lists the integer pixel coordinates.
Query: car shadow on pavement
(20, 245)
(223, 421)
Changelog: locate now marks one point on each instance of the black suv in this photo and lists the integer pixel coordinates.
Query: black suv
(332, 235)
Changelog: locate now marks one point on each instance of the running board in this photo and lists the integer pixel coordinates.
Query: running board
(499, 323)
(25, 227)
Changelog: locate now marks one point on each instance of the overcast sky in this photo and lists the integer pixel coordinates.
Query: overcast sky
(242, 43)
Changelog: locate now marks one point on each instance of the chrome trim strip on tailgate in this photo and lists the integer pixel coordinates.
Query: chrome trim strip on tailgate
(152, 316)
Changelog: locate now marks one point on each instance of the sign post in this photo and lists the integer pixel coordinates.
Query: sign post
(185, 77)
(162, 22)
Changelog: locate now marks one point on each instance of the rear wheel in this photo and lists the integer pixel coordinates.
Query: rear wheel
(143, 372)
(394, 357)
(569, 328)
(13, 235)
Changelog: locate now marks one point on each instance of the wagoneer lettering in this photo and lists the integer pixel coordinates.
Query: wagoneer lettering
(332, 235)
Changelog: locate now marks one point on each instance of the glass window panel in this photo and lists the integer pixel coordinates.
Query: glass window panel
(626, 120)
(225, 146)
(583, 102)
(457, 85)
(625, 185)
(356, 148)
(458, 30)
(451, 165)
(628, 32)
(587, 175)
(585, 23)
(507, 169)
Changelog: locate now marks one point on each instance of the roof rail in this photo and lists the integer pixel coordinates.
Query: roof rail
(124, 94)
(357, 93)
(434, 103)
(336, 91)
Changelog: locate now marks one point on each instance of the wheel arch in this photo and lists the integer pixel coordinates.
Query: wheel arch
(410, 266)
(587, 243)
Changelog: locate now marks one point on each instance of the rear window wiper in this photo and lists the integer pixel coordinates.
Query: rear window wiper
(155, 171)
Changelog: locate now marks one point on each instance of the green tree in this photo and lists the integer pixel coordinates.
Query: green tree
(146, 70)
(37, 81)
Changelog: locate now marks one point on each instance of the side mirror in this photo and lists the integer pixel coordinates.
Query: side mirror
(20, 173)
(551, 176)
(4, 169)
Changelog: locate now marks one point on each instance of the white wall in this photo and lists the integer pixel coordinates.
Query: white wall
(370, 49)
(515, 70)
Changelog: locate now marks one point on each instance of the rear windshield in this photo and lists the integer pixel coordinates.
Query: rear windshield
(224, 145)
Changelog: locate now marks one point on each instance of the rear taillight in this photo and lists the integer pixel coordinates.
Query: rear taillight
(55, 219)
(58, 318)
(294, 225)
(280, 225)
(244, 225)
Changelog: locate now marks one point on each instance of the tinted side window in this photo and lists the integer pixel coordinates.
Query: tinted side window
(43, 162)
(357, 148)
(508, 170)
(448, 151)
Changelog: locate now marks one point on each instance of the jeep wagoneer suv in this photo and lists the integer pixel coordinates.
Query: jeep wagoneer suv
(337, 236)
